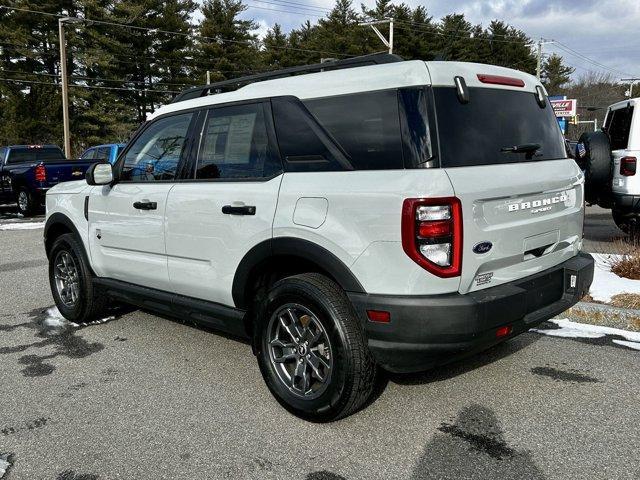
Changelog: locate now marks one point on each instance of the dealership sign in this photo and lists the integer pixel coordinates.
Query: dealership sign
(565, 108)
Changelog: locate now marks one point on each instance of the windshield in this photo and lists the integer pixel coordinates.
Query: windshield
(486, 130)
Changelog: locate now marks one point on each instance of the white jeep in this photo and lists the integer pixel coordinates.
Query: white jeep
(610, 158)
(376, 213)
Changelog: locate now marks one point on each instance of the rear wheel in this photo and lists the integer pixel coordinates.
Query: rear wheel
(71, 282)
(26, 203)
(627, 222)
(312, 350)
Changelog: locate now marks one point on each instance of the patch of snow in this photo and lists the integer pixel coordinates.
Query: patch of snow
(22, 226)
(569, 329)
(624, 343)
(54, 319)
(4, 465)
(606, 284)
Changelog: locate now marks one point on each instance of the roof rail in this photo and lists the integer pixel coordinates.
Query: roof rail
(235, 83)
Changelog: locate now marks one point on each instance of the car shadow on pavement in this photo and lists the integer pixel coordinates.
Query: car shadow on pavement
(453, 369)
(465, 364)
(474, 446)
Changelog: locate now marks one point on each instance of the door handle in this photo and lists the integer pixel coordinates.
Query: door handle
(239, 210)
(145, 205)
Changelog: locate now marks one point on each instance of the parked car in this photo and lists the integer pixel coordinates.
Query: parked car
(397, 215)
(27, 172)
(103, 153)
(609, 157)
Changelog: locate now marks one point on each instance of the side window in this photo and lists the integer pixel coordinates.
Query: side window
(620, 127)
(3, 152)
(366, 125)
(103, 154)
(155, 154)
(304, 145)
(235, 144)
(89, 154)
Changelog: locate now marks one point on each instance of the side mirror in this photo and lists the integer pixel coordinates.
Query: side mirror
(100, 174)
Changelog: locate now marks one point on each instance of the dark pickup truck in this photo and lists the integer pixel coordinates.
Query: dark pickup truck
(28, 171)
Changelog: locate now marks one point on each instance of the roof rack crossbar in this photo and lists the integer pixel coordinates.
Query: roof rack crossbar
(235, 83)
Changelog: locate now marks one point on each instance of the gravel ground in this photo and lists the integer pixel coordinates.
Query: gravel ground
(147, 397)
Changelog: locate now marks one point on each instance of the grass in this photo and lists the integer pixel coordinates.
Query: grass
(603, 317)
(626, 300)
(627, 263)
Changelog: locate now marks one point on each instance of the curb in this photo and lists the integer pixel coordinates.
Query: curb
(606, 308)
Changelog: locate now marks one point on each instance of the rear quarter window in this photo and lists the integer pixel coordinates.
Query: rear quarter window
(618, 126)
(366, 125)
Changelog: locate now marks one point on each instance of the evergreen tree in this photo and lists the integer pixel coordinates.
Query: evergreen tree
(555, 75)
(228, 48)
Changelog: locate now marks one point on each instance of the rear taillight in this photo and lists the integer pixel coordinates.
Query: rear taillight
(628, 166)
(432, 234)
(41, 173)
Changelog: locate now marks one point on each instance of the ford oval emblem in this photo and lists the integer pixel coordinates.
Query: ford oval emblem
(482, 247)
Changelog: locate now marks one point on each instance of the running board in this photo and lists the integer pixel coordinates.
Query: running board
(214, 315)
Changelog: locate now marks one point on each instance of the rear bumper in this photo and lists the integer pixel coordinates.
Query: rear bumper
(426, 331)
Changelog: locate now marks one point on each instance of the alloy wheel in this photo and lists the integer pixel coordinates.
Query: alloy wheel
(23, 201)
(66, 278)
(300, 351)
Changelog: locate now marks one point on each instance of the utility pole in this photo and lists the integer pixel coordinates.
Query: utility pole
(64, 82)
(632, 80)
(208, 77)
(387, 42)
(539, 62)
(541, 42)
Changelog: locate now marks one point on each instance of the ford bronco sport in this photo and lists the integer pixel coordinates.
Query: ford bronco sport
(377, 213)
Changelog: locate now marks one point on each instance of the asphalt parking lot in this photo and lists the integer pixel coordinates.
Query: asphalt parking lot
(145, 397)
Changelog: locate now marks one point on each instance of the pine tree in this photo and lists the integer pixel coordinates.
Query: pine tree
(227, 47)
(555, 74)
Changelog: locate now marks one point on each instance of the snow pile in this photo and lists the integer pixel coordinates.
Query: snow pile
(54, 319)
(22, 226)
(606, 284)
(4, 464)
(568, 329)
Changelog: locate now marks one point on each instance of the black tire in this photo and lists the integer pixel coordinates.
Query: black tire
(350, 380)
(629, 223)
(596, 162)
(26, 203)
(90, 304)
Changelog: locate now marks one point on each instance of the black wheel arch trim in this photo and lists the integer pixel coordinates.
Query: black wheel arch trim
(296, 247)
(61, 219)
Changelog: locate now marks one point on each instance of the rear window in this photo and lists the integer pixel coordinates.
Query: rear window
(21, 155)
(618, 126)
(475, 133)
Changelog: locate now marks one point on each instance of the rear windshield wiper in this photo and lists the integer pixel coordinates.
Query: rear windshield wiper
(522, 148)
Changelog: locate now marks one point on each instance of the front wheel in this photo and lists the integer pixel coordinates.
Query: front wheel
(71, 281)
(312, 350)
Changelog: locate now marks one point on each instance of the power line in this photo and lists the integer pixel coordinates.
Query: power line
(165, 32)
(96, 87)
(575, 53)
(284, 11)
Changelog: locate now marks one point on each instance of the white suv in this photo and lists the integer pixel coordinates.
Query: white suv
(396, 215)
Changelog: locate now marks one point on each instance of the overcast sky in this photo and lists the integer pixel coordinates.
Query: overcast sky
(605, 31)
